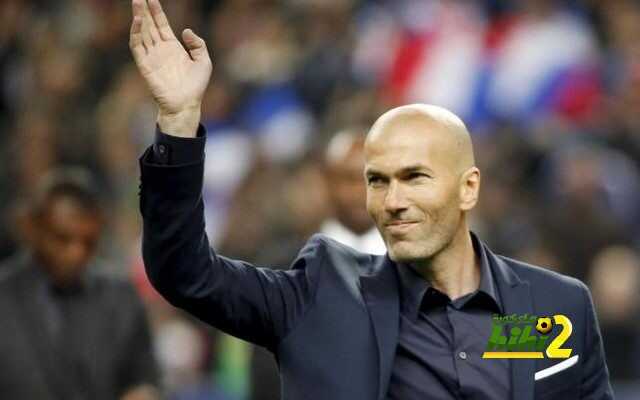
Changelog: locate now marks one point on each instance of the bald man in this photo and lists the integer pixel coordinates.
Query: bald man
(424, 321)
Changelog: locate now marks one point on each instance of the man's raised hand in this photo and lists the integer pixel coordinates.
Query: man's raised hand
(177, 75)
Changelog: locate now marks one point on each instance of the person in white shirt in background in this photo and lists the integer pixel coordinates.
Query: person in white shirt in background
(350, 224)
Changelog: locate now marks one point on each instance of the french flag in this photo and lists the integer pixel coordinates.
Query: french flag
(543, 66)
(439, 56)
(517, 67)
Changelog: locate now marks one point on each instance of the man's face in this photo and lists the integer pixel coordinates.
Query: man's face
(65, 238)
(413, 188)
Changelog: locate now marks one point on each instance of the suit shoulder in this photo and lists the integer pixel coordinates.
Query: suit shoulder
(108, 281)
(551, 291)
(12, 269)
(322, 254)
(114, 291)
(8, 275)
(332, 244)
(540, 277)
(333, 248)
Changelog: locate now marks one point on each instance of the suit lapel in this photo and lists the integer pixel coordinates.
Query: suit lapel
(380, 292)
(516, 299)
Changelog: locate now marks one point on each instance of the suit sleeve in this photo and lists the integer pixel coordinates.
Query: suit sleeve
(255, 304)
(595, 383)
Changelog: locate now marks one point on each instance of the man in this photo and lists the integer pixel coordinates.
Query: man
(69, 332)
(342, 324)
(350, 223)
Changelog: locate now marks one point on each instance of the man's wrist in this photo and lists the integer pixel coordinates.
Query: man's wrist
(182, 124)
(176, 150)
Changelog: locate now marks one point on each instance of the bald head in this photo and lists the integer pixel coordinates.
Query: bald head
(446, 130)
(421, 180)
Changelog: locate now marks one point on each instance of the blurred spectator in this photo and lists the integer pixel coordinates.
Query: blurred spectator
(73, 332)
(344, 171)
(595, 194)
(70, 330)
(615, 281)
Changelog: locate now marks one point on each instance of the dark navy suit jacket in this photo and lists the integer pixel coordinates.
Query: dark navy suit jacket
(332, 319)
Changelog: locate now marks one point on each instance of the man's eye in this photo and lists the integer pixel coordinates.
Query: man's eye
(372, 180)
(415, 175)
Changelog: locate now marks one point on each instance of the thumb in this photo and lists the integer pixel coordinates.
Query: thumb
(195, 45)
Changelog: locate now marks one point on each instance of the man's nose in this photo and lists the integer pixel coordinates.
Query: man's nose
(78, 251)
(395, 199)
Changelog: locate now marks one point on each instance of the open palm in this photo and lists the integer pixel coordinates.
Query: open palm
(177, 77)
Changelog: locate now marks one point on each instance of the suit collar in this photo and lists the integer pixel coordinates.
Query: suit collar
(413, 286)
(503, 275)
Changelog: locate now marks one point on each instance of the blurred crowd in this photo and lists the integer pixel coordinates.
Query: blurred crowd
(550, 91)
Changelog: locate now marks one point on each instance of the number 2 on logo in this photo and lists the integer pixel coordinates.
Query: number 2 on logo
(554, 350)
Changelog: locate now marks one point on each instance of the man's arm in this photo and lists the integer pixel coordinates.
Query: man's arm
(595, 380)
(258, 305)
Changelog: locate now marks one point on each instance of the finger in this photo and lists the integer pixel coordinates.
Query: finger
(135, 38)
(136, 35)
(147, 41)
(160, 20)
(137, 7)
(195, 45)
(150, 25)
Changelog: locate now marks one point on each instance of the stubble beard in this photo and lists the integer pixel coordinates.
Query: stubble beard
(419, 251)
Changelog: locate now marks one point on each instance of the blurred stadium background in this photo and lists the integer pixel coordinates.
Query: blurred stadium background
(550, 90)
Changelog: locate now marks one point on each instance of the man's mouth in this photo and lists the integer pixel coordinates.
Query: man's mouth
(399, 222)
(399, 226)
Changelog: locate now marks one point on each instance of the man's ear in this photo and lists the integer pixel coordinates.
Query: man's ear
(469, 188)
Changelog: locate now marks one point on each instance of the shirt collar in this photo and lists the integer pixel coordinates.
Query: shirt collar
(414, 286)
